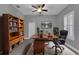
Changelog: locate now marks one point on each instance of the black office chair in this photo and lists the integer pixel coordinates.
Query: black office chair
(63, 36)
(61, 40)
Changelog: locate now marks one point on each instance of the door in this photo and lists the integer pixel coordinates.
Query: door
(31, 29)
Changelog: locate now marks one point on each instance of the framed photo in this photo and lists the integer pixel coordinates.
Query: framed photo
(46, 25)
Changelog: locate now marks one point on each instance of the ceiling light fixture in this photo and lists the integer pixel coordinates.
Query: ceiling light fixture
(39, 10)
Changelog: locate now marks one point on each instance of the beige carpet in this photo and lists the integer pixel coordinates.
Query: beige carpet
(49, 51)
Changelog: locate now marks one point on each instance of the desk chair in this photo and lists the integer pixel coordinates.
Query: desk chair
(62, 39)
(56, 33)
(63, 36)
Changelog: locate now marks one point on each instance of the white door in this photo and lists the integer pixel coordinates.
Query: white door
(31, 29)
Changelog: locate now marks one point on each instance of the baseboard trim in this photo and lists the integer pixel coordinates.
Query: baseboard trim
(72, 48)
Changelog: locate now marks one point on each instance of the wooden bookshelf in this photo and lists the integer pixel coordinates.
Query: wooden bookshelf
(21, 27)
(1, 34)
(13, 32)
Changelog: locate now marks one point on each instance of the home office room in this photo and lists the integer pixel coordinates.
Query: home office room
(39, 29)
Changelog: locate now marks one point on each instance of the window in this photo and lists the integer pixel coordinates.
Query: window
(69, 24)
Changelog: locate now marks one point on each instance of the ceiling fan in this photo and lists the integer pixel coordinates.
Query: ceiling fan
(39, 8)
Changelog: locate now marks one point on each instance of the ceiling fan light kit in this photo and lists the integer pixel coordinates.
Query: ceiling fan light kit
(39, 8)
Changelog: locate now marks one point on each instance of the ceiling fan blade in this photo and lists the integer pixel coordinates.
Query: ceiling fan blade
(43, 5)
(34, 11)
(34, 7)
(44, 10)
(38, 5)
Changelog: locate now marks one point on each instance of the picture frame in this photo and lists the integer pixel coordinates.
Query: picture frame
(46, 25)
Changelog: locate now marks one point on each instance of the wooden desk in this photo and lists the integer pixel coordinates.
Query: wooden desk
(39, 43)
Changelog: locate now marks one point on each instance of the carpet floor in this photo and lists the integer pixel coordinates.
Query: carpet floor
(50, 51)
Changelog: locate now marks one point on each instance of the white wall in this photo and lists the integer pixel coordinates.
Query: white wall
(37, 19)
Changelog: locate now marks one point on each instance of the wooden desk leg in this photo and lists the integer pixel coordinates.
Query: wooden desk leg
(38, 47)
(33, 53)
(43, 51)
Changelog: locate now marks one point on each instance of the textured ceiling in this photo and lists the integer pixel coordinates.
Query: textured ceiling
(53, 9)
